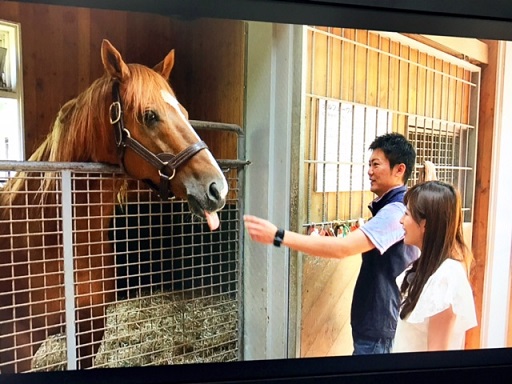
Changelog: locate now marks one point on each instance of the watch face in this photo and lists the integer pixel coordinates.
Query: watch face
(278, 237)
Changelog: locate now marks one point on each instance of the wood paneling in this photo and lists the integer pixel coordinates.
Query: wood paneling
(327, 290)
(61, 57)
(361, 67)
(212, 81)
(483, 182)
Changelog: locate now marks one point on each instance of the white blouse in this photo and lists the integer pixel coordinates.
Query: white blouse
(448, 286)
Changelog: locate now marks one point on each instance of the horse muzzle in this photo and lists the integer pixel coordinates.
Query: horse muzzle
(206, 205)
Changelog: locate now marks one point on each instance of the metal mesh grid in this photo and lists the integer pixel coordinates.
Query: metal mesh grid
(94, 278)
(447, 145)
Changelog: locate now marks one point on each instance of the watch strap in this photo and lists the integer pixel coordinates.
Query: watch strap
(278, 237)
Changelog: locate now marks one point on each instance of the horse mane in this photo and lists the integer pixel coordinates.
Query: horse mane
(81, 129)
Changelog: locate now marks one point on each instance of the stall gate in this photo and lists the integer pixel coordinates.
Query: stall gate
(172, 287)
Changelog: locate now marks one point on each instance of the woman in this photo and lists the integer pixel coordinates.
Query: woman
(438, 305)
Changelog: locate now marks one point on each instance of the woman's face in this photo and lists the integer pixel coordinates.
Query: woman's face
(413, 231)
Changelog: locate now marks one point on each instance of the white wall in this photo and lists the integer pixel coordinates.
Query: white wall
(496, 309)
(272, 74)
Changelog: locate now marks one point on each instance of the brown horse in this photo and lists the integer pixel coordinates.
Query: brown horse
(129, 117)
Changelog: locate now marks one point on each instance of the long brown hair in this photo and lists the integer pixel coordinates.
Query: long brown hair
(439, 204)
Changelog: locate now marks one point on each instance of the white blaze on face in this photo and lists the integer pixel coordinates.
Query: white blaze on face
(171, 100)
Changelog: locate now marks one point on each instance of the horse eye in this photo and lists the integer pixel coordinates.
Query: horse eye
(149, 118)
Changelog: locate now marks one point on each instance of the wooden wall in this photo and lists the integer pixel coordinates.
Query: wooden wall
(483, 184)
(328, 286)
(61, 57)
(355, 73)
(364, 68)
(387, 75)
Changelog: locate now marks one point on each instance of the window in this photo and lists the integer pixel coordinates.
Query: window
(341, 163)
(448, 146)
(11, 132)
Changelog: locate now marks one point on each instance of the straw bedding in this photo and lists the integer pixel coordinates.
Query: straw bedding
(158, 329)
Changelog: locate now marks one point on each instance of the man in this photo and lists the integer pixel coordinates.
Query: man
(376, 299)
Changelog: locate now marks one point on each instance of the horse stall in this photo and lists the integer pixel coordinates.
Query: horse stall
(176, 283)
(120, 238)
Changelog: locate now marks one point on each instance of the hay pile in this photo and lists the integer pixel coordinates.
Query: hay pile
(51, 355)
(165, 329)
(158, 329)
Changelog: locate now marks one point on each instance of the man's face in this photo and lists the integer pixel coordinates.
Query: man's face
(382, 177)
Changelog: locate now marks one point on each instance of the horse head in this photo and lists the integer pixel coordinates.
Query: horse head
(155, 140)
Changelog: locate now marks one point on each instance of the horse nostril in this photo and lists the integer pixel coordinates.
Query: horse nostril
(214, 192)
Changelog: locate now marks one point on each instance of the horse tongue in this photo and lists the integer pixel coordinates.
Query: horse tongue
(212, 219)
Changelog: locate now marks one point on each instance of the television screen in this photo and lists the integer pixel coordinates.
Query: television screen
(364, 26)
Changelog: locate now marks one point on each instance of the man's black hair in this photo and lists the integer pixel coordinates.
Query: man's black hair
(397, 150)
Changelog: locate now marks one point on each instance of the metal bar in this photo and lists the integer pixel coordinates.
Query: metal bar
(409, 42)
(406, 114)
(330, 222)
(312, 126)
(323, 165)
(416, 109)
(57, 166)
(457, 168)
(354, 79)
(69, 279)
(340, 93)
(425, 105)
(215, 126)
(365, 121)
(50, 166)
(233, 163)
(338, 163)
(464, 132)
(328, 92)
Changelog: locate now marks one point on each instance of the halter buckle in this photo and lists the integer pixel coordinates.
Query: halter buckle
(115, 107)
(169, 178)
(164, 190)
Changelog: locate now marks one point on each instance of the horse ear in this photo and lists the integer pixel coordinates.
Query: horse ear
(165, 66)
(113, 62)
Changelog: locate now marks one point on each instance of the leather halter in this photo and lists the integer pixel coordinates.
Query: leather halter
(165, 163)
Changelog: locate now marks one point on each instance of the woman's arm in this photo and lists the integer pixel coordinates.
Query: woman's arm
(440, 330)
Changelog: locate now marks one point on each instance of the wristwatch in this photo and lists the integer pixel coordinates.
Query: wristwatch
(278, 237)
